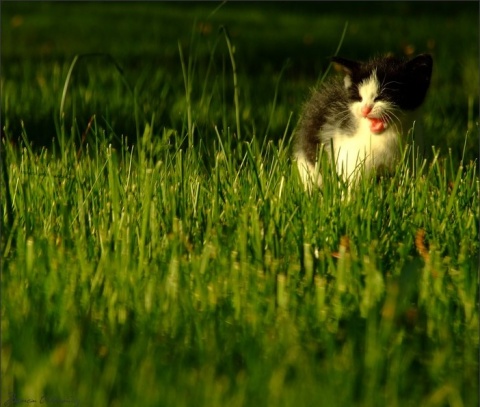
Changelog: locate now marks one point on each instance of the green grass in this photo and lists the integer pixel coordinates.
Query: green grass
(158, 247)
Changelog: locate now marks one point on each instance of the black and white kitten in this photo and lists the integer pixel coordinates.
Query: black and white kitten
(361, 118)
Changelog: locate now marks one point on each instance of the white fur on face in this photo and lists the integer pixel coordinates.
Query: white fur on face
(364, 147)
(369, 89)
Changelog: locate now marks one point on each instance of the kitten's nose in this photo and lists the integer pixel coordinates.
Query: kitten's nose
(366, 110)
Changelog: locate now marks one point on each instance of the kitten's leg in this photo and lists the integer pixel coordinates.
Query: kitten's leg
(308, 173)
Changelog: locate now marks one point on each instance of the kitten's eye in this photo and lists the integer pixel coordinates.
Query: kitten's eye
(354, 94)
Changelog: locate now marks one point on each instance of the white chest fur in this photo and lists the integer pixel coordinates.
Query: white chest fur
(364, 148)
(355, 153)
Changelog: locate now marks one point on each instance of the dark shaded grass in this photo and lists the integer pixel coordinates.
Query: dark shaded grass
(144, 40)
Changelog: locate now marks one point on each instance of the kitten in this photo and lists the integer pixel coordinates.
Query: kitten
(363, 118)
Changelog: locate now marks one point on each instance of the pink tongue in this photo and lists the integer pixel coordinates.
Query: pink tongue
(376, 125)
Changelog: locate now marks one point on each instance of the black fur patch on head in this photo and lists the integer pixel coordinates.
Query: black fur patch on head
(403, 83)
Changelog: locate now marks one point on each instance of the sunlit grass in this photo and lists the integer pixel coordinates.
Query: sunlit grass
(235, 285)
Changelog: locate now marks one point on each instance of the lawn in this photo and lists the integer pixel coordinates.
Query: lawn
(158, 248)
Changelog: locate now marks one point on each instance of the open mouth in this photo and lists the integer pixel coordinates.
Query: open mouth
(377, 124)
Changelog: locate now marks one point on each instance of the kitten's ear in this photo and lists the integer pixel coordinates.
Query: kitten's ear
(348, 66)
(421, 67)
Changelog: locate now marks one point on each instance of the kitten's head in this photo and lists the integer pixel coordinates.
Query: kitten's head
(380, 87)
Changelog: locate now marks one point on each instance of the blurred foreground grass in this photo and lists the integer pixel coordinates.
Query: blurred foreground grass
(128, 280)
